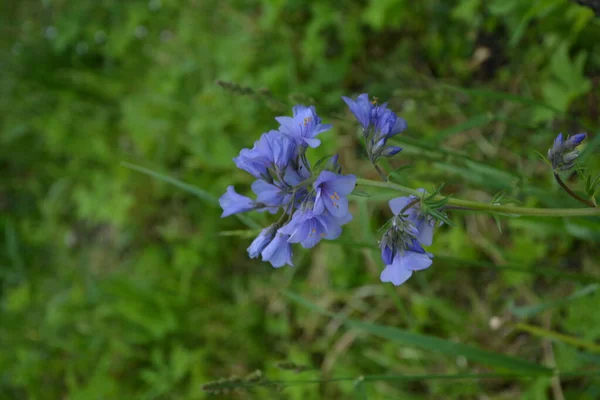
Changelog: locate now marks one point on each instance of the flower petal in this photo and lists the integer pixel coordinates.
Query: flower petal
(395, 274)
(232, 203)
(397, 204)
(343, 185)
(338, 207)
(361, 108)
(415, 261)
(278, 252)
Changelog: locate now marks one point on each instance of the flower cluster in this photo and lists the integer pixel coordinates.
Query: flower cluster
(563, 153)
(402, 244)
(378, 123)
(315, 206)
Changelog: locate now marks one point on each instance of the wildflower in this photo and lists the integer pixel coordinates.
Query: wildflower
(273, 149)
(262, 240)
(308, 228)
(233, 203)
(303, 126)
(333, 165)
(402, 244)
(563, 153)
(361, 108)
(283, 180)
(405, 261)
(278, 252)
(423, 224)
(272, 194)
(331, 191)
(378, 123)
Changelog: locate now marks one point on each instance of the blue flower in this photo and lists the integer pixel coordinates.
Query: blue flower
(423, 224)
(361, 108)
(402, 244)
(404, 262)
(331, 191)
(308, 228)
(233, 203)
(378, 123)
(278, 252)
(563, 153)
(273, 149)
(262, 240)
(271, 194)
(303, 126)
(283, 180)
(386, 122)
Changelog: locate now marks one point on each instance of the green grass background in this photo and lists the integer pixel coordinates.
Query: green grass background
(117, 285)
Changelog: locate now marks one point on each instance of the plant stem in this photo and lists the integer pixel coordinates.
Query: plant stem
(409, 205)
(573, 194)
(476, 206)
(380, 172)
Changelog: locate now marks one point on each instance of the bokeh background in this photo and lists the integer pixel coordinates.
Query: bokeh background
(116, 284)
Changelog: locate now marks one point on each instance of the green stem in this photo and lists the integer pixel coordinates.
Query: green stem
(476, 206)
(572, 193)
(380, 172)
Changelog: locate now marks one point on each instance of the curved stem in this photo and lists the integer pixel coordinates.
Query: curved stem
(572, 193)
(381, 174)
(409, 205)
(504, 209)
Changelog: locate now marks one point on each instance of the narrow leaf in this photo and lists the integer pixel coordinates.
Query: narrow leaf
(434, 344)
(475, 122)
(559, 337)
(529, 311)
(201, 194)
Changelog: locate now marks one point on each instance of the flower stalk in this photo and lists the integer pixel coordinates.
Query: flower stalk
(477, 206)
(572, 193)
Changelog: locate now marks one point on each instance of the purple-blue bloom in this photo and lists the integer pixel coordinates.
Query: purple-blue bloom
(361, 108)
(233, 203)
(402, 244)
(278, 252)
(303, 126)
(423, 224)
(404, 262)
(262, 240)
(271, 194)
(272, 149)
(316, 206)
(331, 191)
(308, 228)
(563, 153)
(379, 124)
(386, 122)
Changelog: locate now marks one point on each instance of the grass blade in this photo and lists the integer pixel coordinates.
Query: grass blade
(529, 311)
(435, 344)
(558, 337)
(201, 194)
(475, 122)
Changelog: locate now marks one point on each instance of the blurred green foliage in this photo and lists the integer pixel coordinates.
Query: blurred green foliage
(115, 285)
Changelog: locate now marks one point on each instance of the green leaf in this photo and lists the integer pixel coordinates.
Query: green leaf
(360, 193)
(396, 173)
(430, 343)
(360, 390)
(201, 194)
(559, 337)
(529, 311)
(503, 96)
(475, 122)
